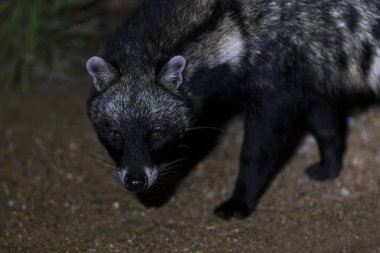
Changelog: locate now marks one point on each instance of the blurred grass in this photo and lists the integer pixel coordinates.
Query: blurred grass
(33, 33)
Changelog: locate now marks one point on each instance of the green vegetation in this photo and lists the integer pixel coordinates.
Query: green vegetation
(33, 33)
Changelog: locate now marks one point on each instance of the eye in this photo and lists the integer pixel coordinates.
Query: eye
(116, 136)
(155, 135)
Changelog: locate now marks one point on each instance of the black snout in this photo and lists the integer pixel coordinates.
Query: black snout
(135, 184)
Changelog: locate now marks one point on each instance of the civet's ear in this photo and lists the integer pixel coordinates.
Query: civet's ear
(171, 75)
(102, 72)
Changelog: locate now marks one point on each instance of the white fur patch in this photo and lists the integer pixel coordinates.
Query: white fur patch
(122, 173)
(374, 73)
(231, 49)
(151, 174)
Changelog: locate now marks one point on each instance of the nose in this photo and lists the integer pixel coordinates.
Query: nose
(135, 184)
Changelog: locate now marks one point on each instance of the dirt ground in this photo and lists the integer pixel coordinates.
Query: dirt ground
(55, 197)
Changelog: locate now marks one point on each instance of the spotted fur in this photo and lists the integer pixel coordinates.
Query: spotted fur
(285, 64)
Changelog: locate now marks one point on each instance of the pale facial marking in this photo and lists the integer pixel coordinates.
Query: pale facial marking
(122, 173)
(151, 174)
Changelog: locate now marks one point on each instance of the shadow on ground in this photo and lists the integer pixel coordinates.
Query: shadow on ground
(54, 197)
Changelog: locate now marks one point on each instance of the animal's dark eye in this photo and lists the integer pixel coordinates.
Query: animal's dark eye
(116, 136)
(155, 135)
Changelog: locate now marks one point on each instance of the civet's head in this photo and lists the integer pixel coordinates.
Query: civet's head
(138, 117)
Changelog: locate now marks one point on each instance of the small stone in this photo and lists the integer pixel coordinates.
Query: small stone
(116, 205)
(345, 192)
(349, 222)
(73, 146)
(11, 203)
(210, 195)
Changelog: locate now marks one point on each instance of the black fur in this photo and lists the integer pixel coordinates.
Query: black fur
(300, 66)
(351, 17)
(376, 29)
(366, 59)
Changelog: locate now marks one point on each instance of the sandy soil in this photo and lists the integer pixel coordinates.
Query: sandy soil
(54, 197)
